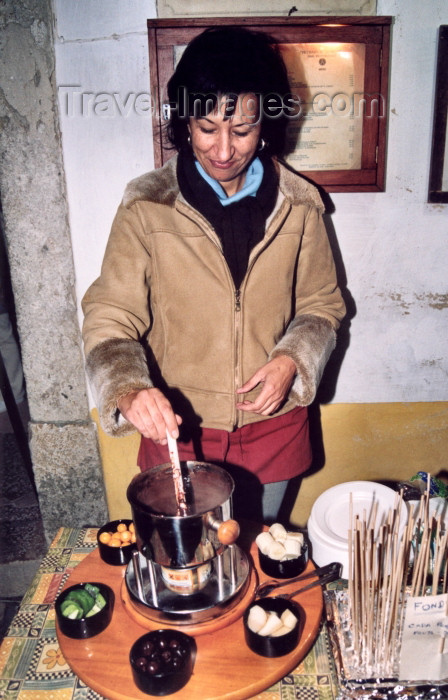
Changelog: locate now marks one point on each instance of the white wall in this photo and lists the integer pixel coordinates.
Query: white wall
(102, 49)
(394, 245)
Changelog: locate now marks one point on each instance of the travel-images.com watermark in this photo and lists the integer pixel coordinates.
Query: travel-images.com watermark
(76, 102)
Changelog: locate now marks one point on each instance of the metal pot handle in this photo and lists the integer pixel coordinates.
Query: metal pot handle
(227, 530)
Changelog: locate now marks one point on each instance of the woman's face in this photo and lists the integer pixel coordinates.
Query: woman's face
(225, 146)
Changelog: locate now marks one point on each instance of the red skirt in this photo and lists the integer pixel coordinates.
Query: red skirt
(273, 450)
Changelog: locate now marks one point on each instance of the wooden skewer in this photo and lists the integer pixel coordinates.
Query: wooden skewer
(351, 592)
(379, 598)
(445, 575)
(177, 475)
(356, 589)
(438, 555)
(372, 517)
(442, 639)
(362, 579)
(408, 536)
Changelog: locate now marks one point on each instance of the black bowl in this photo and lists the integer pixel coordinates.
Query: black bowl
(284, 569)
(116, 556)
(86, 626)
(274, 646)
(162, 661)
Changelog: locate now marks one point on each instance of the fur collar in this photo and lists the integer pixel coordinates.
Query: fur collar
(298, 190)
(160, 186)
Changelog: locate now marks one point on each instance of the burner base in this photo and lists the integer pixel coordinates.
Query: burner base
(212, 602)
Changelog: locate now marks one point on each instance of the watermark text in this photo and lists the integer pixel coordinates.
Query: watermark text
(76, 102)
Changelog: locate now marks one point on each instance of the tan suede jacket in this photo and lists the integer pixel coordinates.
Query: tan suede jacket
(165, 312)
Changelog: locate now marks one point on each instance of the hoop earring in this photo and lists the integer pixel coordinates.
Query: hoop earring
(262, 145)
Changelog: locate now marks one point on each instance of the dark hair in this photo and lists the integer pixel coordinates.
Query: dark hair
(228, 61)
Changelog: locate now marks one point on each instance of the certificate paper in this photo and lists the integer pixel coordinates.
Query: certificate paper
(329, 80)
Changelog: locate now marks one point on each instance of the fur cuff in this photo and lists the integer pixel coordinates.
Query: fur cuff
(309, 341)
(116, 367)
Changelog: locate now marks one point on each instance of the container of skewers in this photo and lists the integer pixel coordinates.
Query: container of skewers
(388, 628)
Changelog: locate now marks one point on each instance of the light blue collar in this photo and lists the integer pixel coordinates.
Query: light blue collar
(254, 176)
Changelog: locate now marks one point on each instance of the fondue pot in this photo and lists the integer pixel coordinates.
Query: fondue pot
(187, 567)
(179, 541)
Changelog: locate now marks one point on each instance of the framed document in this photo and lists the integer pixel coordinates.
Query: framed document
(338, 69)
(438, 178)
(329, 79)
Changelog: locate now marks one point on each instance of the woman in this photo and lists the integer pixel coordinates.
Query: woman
(217, 305)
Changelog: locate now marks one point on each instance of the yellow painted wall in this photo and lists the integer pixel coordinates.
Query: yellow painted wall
(378, 441)
(119, 459)
(360, 441)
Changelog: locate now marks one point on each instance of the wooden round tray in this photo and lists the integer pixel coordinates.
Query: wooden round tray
(225, 667)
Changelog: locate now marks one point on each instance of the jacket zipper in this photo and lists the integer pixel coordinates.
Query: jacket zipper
(238, 300)
(237, 352)
(237, 306)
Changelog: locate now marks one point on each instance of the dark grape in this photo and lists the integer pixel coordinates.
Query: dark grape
(147, 647)
(141, 663)
(153, 667)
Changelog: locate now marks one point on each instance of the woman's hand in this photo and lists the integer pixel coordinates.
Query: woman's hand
(151, 413)
(277, 377)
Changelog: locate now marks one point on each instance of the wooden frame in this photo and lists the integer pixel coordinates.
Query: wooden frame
(370, 35)
(438, 177)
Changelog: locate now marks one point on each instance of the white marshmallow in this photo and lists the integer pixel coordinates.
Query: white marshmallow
(272, 624)
(257, 618)
(288, 619)
(292, 548)
(299, 536)
(276, 551)
(264, 541)
(278, 532)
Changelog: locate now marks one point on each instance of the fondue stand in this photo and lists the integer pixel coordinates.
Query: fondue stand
(188, 574)
(188, 568)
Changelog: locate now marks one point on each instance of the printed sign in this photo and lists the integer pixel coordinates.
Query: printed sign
(424, 647)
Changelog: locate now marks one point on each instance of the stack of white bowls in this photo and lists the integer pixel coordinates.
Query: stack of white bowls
(329, 521)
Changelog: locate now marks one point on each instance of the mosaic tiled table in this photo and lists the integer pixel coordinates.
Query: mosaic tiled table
(32, 666)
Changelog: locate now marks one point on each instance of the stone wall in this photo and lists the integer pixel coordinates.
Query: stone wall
(63, 439)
